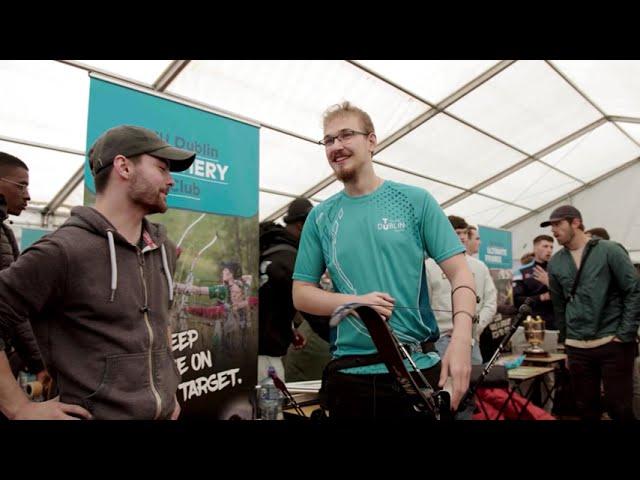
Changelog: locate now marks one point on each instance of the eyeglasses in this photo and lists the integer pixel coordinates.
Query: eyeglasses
(21, 186)
(343, 136)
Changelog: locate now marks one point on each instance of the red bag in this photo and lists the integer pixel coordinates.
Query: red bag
(492, 399)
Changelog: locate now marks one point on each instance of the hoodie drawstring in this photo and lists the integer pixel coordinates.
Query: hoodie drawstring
(114, 265)
(167, 272)
(114, 268)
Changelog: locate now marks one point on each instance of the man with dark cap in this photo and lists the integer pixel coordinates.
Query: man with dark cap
(278, 250)
(98, 291)
(22, 350)
(595, 293)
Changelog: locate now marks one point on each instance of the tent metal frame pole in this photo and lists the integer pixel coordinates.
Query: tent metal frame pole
(573, 193)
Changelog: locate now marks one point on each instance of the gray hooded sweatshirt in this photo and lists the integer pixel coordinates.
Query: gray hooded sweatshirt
(99, 307)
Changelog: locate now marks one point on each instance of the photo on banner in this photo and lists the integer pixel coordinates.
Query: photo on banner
(213, 220)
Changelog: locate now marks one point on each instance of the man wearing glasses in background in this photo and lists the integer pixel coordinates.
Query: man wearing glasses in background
(22, 350)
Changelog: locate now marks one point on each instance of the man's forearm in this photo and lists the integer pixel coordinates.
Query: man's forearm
(489, 304)
(463, 294)
(627, 281)
(311, 299)
(485, 316)
(464, 300)
(12, 398)
(26, 345)
(628, 328)
(559, 306)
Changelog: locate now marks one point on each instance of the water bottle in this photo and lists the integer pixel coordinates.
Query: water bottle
(23, 379)
(31, 386)
(270, 398)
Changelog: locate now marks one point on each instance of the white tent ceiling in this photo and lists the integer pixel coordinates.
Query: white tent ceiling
(494, 141)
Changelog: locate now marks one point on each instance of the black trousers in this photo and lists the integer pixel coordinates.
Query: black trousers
(611, 364)
(372, 396)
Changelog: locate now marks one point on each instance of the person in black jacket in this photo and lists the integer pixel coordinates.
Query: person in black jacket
(278, 250)
(22, 350)
(535, 282)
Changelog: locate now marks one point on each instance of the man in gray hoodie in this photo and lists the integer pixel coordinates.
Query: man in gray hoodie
(98, 292)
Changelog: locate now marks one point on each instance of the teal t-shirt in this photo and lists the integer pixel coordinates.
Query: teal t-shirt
(378, 242)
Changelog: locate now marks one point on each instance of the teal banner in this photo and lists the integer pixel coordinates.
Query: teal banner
(495, 247)
(213, 220)
(29, 236)
(224, 177)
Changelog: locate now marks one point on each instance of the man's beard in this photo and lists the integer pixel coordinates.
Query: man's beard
(570, 237)
(143, 193)
(345, 175)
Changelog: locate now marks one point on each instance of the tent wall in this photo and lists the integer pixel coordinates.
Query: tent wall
(613, 204)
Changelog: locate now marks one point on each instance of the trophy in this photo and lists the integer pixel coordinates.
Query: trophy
(534, 333)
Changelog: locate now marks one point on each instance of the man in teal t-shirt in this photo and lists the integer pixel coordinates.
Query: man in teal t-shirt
(373, 238)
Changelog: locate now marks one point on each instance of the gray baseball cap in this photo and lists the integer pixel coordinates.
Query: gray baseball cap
(562, 213)
(131, 140)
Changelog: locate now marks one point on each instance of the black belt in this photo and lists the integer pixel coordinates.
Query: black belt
(351, 361)
(423, 347)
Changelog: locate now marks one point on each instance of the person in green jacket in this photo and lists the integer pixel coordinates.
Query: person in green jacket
(595, 292)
